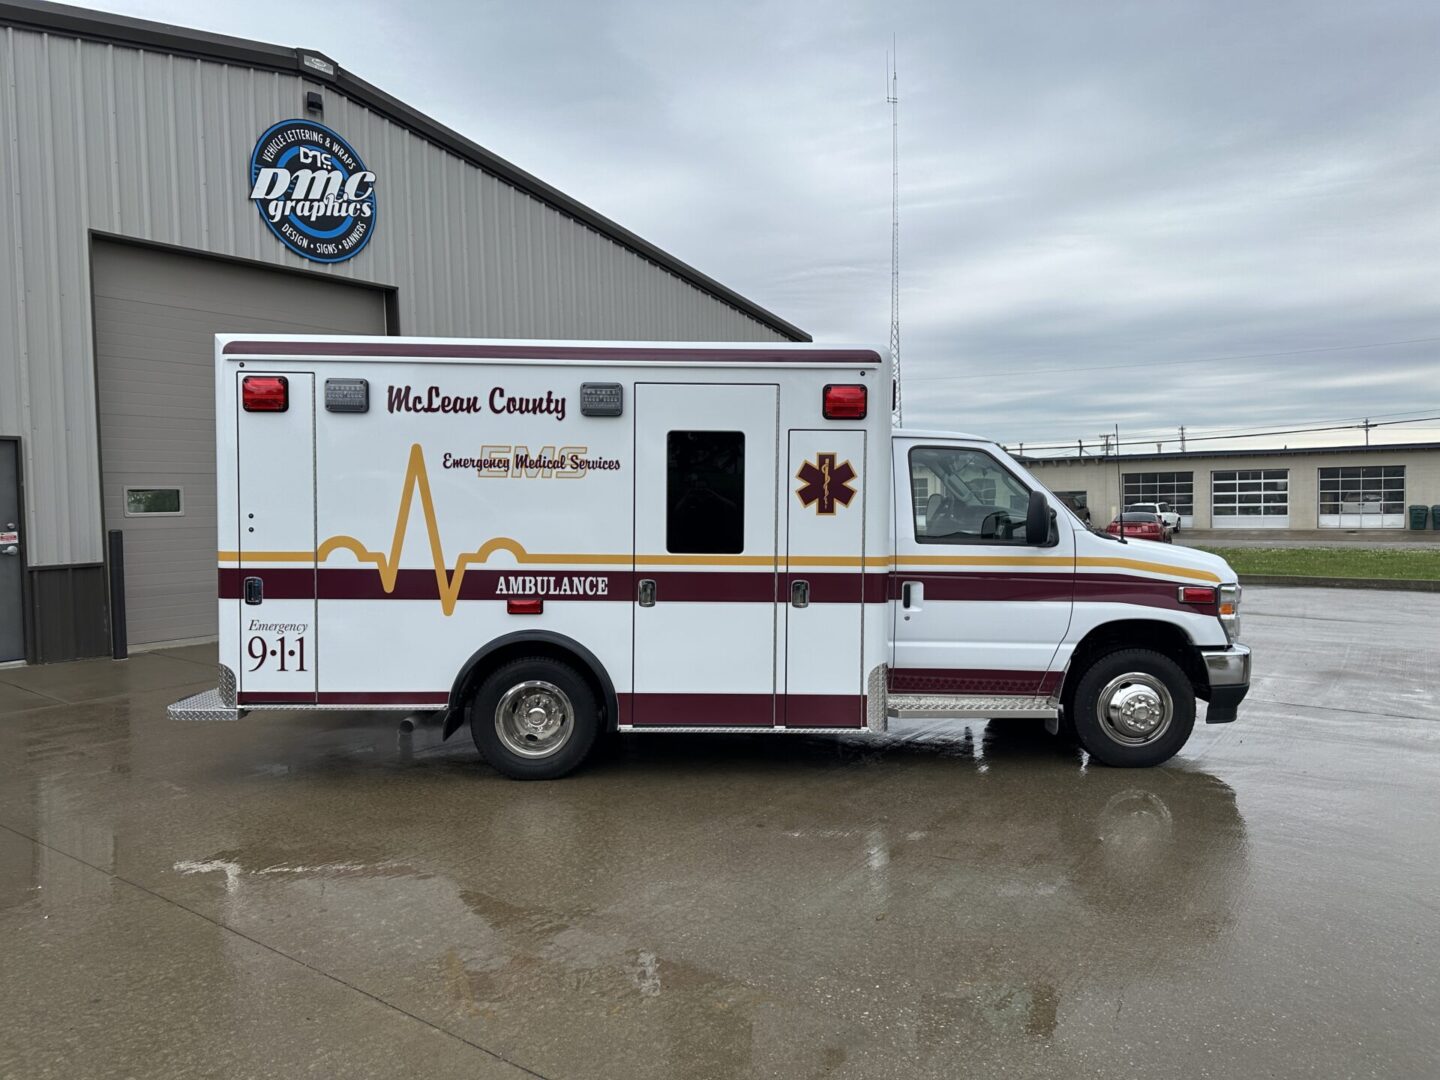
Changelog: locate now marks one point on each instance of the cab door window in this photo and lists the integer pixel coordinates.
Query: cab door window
(968, 497)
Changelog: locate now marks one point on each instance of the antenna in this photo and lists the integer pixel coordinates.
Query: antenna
(1119, 487)
(892, 98)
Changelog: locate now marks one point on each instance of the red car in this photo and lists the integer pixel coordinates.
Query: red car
(1139, 526)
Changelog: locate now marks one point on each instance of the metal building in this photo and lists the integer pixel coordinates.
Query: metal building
(159, 185)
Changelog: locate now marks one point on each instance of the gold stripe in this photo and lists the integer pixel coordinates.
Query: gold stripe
(1154, 568)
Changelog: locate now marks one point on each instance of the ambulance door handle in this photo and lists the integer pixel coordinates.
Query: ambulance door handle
(800, 593)
(912, 595)
(646, 596)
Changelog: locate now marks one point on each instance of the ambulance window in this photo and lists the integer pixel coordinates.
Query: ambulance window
(705, 492)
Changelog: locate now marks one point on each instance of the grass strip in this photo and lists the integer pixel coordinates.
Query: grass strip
(1421, 564)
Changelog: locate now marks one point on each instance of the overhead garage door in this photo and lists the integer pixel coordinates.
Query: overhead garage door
(156, 314)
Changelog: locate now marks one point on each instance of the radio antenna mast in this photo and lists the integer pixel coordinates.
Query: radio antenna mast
(892, 98)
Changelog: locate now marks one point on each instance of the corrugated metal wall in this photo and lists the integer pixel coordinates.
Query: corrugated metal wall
(156, 147)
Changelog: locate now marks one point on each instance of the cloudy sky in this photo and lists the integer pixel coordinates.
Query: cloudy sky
(1215, 214)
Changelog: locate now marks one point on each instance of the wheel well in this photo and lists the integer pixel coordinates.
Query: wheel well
(518, 646)
(1161, 637)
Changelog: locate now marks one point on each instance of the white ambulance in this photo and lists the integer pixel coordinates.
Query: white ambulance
(551, 540)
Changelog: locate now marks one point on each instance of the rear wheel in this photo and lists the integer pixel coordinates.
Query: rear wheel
(534, 719)
(1134, 708)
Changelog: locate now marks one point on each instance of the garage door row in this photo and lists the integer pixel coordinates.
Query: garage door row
(1348, 496)
(156, 314)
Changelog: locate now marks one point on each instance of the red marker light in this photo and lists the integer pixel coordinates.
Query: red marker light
(844, 402)
(265, 393)
(1197, 594)
(529, 606)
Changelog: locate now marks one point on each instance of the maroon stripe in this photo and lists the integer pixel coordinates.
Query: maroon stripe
(971, 681)
(1055, 588)
(716, 587)
(824, 710)
(278, 583)
(698, 710)
(362, 583)
(741, 586)
(269, 697)
(357, 697)
(982, 585)
(383, 697)
(845, 357)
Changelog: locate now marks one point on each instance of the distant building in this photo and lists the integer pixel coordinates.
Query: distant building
(1323, 487)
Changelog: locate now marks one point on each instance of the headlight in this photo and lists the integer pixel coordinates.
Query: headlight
(1230, 612)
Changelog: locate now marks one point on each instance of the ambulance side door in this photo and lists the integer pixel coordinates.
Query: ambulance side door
(706, 562)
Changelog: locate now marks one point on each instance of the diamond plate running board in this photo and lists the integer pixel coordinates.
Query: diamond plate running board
(977, 706)
(206, 705)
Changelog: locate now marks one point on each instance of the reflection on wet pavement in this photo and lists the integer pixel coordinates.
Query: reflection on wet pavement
(319, 891)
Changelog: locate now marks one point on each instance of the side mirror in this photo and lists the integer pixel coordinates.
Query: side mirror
(1037, 519)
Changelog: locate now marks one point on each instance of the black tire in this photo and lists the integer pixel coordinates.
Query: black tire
(561, 686)
(1103, 737)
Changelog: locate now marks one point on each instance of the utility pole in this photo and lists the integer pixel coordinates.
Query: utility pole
(1367, 426)
(1182, 438)
(1105, 439)
(892, 98)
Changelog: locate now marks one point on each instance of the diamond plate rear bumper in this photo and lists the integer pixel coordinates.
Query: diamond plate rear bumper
(206, 705)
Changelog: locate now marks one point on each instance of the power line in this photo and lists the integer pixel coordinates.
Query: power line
(1205, 360)
(1367, 425)
(1162, 433)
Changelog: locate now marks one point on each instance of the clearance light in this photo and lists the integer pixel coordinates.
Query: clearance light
(534, 606)
(1197, 594)
(844, 402)
(265, 393)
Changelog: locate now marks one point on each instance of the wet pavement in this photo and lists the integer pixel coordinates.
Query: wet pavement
(317, 893)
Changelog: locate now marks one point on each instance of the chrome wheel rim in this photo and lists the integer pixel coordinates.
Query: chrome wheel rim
(1135, 709)
(534, 719)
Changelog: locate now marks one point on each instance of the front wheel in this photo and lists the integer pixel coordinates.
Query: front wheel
(1134, 708)
(534, 719)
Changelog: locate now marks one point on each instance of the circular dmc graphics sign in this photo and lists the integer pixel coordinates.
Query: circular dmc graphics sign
(313, 191)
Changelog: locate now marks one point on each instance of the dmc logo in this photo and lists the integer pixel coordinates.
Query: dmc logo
(313, 191)
(824, 484)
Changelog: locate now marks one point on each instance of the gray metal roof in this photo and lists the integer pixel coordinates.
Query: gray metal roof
(1191, 455)
(183, 41)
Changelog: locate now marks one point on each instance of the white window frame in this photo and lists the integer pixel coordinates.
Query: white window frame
(125, 500)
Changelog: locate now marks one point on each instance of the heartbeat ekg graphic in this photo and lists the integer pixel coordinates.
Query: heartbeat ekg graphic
(448, 582)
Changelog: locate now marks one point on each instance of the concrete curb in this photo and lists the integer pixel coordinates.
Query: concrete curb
(1393, 584)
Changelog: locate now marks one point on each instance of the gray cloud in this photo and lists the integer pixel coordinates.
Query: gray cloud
(1094, 197)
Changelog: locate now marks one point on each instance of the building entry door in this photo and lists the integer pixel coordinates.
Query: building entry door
(12, 551)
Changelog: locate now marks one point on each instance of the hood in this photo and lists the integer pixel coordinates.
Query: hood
(1088, 545)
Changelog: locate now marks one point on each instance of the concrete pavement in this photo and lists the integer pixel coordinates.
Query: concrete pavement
(315, 892)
